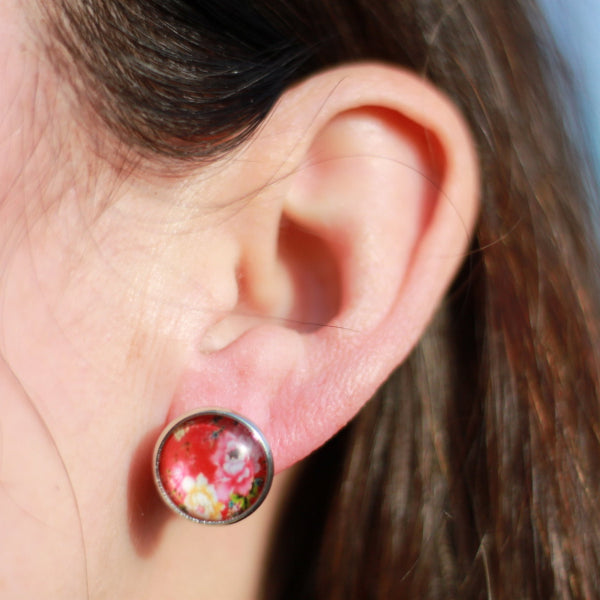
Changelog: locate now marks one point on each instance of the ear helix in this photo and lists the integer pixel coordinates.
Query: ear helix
(212, 466)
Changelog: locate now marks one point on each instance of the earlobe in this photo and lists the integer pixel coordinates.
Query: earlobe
(364, 217)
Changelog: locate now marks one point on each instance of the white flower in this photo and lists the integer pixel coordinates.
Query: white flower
(201, 498)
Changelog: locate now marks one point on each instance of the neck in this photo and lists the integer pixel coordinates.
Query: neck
(196, 561)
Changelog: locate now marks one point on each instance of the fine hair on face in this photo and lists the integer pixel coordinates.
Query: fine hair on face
(473, 472)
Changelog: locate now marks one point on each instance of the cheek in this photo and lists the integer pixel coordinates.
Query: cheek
(87, 346)
(94, 315)
(75, 403)
(41, 547)
(62, 473)
(87, 338)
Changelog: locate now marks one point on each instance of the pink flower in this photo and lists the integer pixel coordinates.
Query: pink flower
(235, 466)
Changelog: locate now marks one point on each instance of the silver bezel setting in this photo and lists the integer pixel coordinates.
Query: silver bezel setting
(256, 434)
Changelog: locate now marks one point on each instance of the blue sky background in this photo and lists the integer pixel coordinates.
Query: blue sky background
(576, 24)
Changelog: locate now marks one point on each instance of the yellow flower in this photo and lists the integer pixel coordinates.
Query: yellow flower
(201, 498)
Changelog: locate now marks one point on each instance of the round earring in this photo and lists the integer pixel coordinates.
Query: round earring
(212, 466)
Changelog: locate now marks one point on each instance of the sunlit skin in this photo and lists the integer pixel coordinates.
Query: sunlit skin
(85, 310)
(128, 296)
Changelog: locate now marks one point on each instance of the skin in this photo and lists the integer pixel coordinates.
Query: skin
(80, 410)
(129, 296)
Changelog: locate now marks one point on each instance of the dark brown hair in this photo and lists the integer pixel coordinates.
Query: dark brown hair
(474, 472)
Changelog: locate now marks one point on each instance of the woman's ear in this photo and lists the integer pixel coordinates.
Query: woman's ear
(361, 192)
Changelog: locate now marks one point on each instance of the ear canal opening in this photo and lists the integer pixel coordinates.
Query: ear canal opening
(315, 272)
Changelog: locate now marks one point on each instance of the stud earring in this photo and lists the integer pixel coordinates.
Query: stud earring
(212, 466)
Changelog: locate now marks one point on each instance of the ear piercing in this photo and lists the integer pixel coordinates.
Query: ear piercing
(212, 466)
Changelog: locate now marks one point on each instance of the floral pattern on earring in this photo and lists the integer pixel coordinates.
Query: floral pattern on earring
(213, 467)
